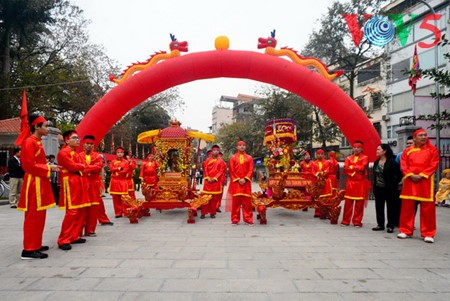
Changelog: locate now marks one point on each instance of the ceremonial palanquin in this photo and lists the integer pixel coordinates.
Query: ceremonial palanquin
(287, 186)
(174, 153)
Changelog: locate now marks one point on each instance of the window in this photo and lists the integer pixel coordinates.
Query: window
(377, 100)
(398, 70)
(344, 142)
(360, 101)
(377, 127)
(369, 73)
(402, 102)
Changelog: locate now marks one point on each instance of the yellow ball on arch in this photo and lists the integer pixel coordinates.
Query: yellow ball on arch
(222, 43)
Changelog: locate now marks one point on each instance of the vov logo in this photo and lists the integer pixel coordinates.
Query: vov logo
(381, 30)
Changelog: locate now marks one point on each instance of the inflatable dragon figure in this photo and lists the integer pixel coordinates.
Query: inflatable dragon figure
(270, 43)
(175, 49)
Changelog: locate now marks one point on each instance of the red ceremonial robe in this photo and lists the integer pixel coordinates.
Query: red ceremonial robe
(36, 195)
(422, 161)
(94, 165)
(73, 195)
(355, 167)
(241, 167)
(119, 183)
(149, 173)
(213, 170)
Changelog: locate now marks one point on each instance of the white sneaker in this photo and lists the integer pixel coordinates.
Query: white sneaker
(428, 239)
(402, 236)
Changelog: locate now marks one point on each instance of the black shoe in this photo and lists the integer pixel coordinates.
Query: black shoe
(92, 234)
(202, 216)
(65, 247)
(316, 216)
(213, 216)
(118, 216)
(43, 248)
(218, 210)
(377, 228)
(32, 255)
(79, 241)
(107, 224)
(390, 230)
(13, 207)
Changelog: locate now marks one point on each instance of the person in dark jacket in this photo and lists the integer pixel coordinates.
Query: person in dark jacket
(387, 176)
(16, 174)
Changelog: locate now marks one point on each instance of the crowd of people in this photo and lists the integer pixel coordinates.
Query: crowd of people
(74, 183)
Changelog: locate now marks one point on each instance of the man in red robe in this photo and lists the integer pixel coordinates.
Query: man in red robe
(355, 167)
(73, 196)
(419, 162)
(214, 168)
(149, 172)
(334, 170)
(118, 186)
(36, 195)
(241, 173)
(322, 168)
(94, 165)
(307, 165)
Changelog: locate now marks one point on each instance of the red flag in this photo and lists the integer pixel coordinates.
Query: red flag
(24, 127)
(415, 71)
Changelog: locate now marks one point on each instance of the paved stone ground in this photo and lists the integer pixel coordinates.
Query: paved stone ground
(294, 257)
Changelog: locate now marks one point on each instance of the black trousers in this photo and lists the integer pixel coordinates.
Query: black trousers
(393, 203)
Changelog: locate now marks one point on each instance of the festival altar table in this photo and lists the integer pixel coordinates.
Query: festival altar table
(296, 191)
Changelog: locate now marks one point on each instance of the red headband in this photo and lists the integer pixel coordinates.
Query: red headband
(306, 153)
(357, 144)
(241, 142)
(88, 140)
(120, 148)
(320, 152)
(215, 147)
(38, 120)
(417, 132)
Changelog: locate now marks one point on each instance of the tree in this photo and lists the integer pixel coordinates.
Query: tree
(244, 130)
(278, 103)
(333, 43)
(64, 74)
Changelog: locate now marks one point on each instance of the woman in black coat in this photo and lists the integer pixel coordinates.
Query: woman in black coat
(387, 176)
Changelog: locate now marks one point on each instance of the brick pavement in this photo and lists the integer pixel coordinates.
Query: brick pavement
(294, 257)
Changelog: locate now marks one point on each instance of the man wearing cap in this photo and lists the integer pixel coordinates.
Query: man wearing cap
(355, 167)
(307, 165)
(214, 168)
(241, 173)
(118, 186)
(322, 168)
(74, 197)
(418, 162)
(149, 172)
(36, 195)
(94, 165)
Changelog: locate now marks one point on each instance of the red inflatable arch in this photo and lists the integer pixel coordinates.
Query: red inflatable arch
(233, 64)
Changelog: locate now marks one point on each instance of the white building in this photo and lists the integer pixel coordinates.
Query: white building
(402, 104)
